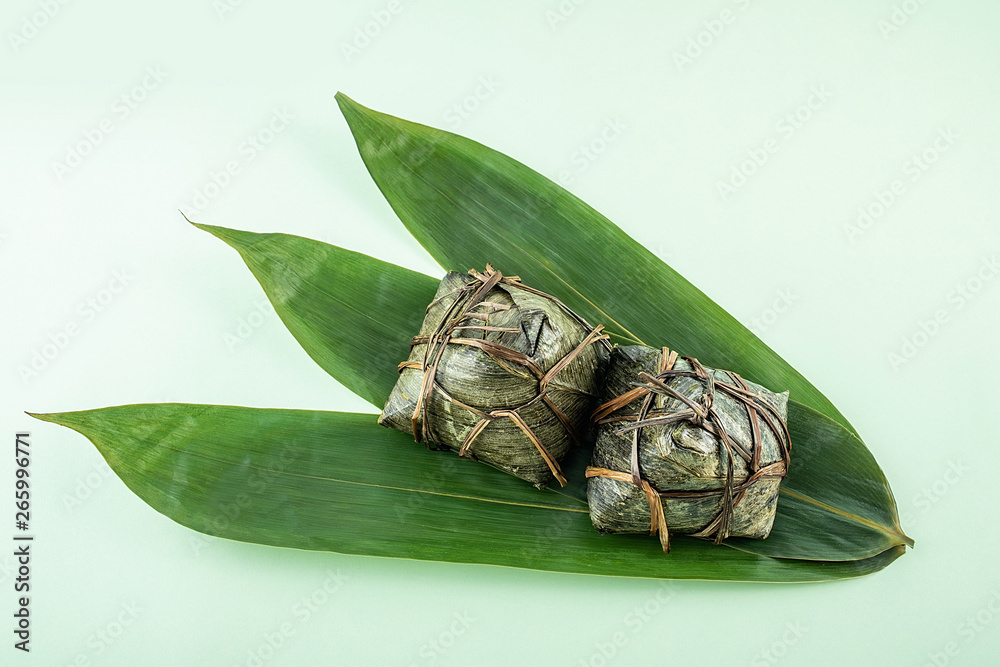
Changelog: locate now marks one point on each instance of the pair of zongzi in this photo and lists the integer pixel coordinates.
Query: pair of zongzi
(508, 375)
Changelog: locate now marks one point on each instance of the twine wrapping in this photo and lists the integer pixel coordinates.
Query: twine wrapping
(470, 312)
(700, 413)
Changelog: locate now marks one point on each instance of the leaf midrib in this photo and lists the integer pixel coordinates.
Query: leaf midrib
(228, 462)
(894, 534)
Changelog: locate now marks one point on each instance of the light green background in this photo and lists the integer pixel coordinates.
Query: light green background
(550, 78)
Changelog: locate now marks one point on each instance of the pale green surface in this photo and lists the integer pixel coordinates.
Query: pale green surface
(163, 337)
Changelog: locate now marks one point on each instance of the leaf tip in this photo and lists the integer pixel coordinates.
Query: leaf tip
(233, 237)
(351, 110)
(343, 100)
(907, 540)
(51, 417)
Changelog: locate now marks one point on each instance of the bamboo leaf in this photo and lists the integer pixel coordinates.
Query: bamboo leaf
(353, 314)
(831, 509)
(835, 498)
(294, 478)
(468, 204)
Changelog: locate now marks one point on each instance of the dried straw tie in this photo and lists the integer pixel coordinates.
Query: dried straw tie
(701, 414)
(460, 315)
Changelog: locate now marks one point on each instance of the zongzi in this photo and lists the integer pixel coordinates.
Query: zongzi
(685, 448)
(501, 373)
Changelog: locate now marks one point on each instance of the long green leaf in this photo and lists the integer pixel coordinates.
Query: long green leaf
(294, 478)
(338, 482)
(468, 205)
(831, 478)
(835, 499)
(351, 313)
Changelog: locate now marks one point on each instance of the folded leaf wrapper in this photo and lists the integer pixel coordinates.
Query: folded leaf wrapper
(501, 373)
(685, 448)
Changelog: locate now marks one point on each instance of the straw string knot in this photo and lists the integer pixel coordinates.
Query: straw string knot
(700, 413)
(470, 311)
